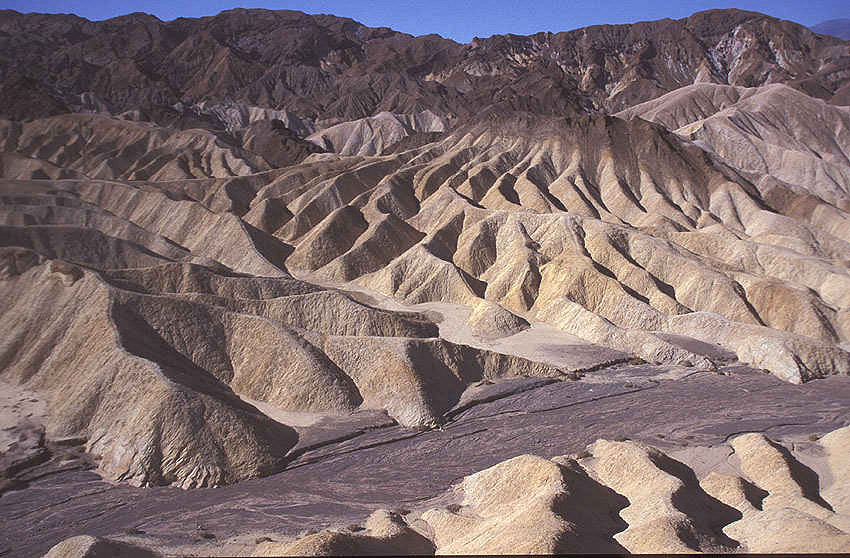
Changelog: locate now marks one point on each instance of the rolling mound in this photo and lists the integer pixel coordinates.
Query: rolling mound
(754, 496)
(181, 337)
(118, 286)
(618, 497)
(613, 230)
(753, 128)
(373, 135)
(619, 232)
(103, 147)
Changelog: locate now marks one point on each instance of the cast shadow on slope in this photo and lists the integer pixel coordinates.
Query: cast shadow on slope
(138, 337)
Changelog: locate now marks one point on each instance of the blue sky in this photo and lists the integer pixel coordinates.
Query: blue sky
(456, 19)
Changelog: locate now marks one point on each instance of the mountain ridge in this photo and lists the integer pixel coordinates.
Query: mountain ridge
(337, 69)
(836, 27)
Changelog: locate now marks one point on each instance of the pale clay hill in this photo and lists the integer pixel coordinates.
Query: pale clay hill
(615, 497)
(562, 221)
(372, 135)
(206, 292)
(618, 497)
(194, 341)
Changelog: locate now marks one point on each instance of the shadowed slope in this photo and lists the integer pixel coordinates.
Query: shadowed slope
(756, 130)
(102, 147)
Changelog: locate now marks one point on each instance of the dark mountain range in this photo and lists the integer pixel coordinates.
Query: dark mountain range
(836, 27)
(330, 68)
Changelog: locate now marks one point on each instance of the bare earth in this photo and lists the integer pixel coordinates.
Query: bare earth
(380, 465)
(273, 283)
